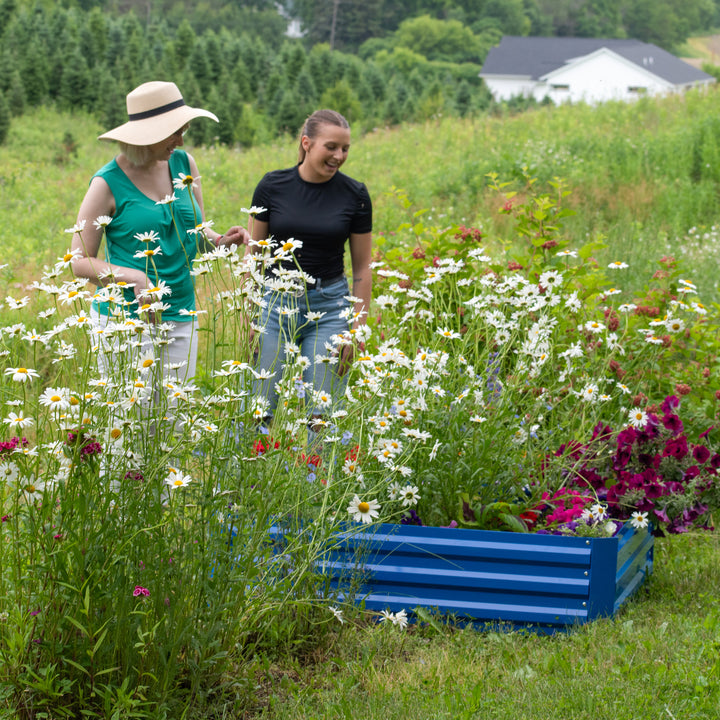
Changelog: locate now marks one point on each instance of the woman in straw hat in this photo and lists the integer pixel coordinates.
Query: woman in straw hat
(148, 203)
(313, 210)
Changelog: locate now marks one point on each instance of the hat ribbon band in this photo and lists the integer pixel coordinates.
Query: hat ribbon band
(157, 111)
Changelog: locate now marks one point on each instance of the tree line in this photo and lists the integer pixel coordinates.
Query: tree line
(350, 23)
(378, 62)
(88, 60)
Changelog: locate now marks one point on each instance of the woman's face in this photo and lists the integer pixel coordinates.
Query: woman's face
(163, 150)
(325, 153)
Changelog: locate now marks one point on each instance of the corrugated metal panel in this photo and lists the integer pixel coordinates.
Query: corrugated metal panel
(489, 576)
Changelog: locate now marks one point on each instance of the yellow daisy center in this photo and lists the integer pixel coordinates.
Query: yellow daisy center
(364, 507)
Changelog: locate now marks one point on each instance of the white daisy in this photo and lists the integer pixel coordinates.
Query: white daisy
(363, 511)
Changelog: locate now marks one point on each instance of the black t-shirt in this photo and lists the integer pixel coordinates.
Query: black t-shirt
(321, 215)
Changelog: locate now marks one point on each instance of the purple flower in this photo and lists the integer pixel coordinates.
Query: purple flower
(661, 515)
(673, 423)
(412, 518)
(670, 403)
(139, 590)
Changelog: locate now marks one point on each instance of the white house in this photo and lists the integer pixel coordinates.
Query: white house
(567, 69)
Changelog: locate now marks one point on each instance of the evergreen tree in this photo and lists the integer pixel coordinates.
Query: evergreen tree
(97, 36)
(200, 67)
(7, 9)
(241, 78)
(4, 119)
(75, 82)
(306, 92)
(220, 104)
(323, 67)
(184, 44)
(253, 53)
(35, 77)
(213, 52)
(9, 66)
(115, 48)
(168, 64)
(247, 125)
(342, 97)
(376, 80)
(289, 116)
(110, 106)
(201, 131)
(16, 95)
(293, 57)
(270, 93)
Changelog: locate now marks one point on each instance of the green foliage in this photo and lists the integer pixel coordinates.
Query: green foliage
(342, 98)
(4, 118)
(446, 40)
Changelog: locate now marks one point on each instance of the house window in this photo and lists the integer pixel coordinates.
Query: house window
(560, 87)
(637, 89)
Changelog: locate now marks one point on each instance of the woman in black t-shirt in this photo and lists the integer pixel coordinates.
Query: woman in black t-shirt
(313, 209)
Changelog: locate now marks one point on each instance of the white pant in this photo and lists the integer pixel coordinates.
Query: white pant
(175, 359)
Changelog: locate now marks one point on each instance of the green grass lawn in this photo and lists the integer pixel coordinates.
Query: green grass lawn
(658, 659)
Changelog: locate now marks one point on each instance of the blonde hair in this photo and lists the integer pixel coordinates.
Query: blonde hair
(311, 127)
(137, 155)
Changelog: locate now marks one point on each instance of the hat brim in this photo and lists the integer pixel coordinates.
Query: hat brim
(154, 129)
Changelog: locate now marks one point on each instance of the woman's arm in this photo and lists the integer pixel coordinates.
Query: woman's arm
(99, 201)
(360, 257)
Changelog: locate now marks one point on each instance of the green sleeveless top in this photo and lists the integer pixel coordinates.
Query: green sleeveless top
(136, 213)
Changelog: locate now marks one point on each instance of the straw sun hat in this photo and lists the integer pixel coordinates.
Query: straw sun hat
(155, 111)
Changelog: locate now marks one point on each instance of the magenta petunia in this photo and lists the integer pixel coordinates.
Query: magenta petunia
(673, 423)
(700, 453)
(670, 403)
(676, 447)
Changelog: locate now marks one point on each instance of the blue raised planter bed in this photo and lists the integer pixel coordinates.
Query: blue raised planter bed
(546, 582)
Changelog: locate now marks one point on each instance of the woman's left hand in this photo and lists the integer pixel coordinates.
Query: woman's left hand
(236, 235)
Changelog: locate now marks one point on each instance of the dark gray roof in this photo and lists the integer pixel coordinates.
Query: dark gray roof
(536, 56)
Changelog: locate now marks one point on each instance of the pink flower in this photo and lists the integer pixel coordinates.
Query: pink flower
(139, 590)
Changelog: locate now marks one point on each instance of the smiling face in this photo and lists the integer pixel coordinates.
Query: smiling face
(325, 153)
(163, 150)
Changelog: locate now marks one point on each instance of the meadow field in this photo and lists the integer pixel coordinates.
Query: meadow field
(546, 289)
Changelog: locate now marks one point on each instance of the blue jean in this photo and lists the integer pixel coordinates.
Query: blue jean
(309, 335)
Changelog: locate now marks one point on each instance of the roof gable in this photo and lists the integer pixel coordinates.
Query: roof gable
(535, 57)
(587, 60)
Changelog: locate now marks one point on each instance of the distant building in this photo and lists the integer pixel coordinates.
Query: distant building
(567, 69)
